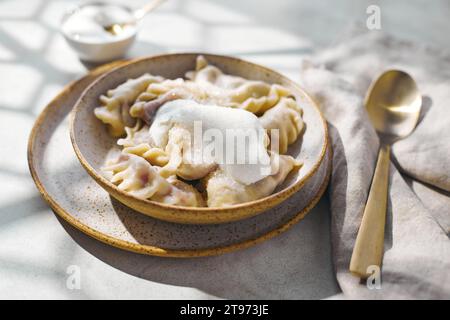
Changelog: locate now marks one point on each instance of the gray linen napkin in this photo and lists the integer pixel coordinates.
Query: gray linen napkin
(416, 262)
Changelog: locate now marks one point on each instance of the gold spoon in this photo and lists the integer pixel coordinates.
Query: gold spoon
(117, 28)
(393, 103)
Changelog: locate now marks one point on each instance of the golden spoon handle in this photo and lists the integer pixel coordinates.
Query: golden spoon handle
(368, 250)
(141, 12)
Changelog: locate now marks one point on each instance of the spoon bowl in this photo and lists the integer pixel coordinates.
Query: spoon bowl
(393, 103)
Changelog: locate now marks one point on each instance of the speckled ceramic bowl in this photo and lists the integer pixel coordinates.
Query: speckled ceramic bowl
(92, 142)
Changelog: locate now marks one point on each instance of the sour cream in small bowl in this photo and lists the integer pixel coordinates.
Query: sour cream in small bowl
(85, 29)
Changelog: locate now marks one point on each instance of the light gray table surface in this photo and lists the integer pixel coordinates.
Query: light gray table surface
(37, 248)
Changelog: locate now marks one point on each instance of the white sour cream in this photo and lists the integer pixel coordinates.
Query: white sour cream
(87, 23)
(239, 141)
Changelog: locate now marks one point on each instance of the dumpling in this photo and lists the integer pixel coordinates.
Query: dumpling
(233, 91)
(175, 157)
(115, 117)
(146, 110)
(115, 105)
(136, 176)
(129, 90)
(181, 160)
(256, 97)
(135, 135)
(185, 193)
(155, 156)
(209, 85)
(138, 142)
(286, 117)
(222, 190)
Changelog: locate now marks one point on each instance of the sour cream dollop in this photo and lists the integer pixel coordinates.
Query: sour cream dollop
(236, 136)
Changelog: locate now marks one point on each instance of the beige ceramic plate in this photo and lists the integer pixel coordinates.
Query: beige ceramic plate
(79, 200)
(92, 142)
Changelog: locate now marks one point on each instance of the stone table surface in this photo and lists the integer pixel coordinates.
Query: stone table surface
(38, 251)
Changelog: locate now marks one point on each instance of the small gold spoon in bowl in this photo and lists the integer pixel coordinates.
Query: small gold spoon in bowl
(118, 27)
(393, 103)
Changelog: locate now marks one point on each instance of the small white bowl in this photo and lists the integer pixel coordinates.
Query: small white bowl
(93, 50)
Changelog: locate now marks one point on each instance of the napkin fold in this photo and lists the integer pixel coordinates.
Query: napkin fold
(416, 261)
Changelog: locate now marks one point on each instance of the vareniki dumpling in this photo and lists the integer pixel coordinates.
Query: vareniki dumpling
(179, 149)
(233, 91)
(136, 176)
(222, 190)
(137, 141)
(209, 85)
(115, 105)
(286, 118)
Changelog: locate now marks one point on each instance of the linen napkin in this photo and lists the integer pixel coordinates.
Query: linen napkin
(416, 261)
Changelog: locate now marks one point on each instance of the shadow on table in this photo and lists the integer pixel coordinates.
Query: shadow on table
(294, 265)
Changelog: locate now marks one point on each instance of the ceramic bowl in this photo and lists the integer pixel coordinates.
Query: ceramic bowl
(99, 51)
(92, 142)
